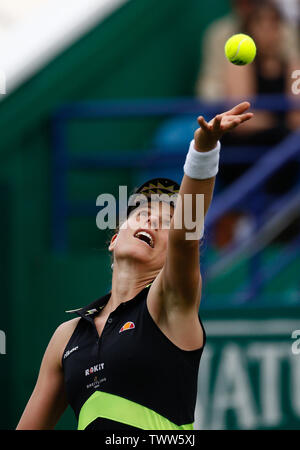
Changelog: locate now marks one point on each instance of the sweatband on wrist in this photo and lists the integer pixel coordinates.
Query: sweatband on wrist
(202, 165)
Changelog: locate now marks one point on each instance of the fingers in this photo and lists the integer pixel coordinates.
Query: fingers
(203, 124)
(238, 109)
(227, 121)
(230, 122)
(238, 118)
(245, 117)
(217, 123)
(213, 125)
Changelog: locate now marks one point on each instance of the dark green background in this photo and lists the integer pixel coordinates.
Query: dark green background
(147, 49)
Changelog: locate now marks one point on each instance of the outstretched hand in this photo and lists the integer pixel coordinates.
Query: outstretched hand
(207, 136)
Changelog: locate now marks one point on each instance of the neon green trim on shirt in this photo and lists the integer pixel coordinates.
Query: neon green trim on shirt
(119, 409)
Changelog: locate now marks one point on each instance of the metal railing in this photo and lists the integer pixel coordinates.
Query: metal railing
(264, 161)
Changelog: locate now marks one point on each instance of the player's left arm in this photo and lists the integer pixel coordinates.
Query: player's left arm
(180, 277)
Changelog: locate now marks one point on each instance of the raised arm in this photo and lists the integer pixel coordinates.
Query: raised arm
(176, 291)
(181, 274)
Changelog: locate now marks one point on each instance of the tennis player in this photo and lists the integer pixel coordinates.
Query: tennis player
(130, 359)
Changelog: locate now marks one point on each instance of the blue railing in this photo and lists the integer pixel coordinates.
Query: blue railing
(264, 168)
(264, 161)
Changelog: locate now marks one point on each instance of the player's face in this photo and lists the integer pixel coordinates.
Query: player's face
(144, 236)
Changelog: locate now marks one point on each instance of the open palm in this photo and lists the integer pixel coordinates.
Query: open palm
(207, 136)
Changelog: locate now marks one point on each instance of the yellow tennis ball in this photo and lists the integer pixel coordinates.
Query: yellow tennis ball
(240, 49)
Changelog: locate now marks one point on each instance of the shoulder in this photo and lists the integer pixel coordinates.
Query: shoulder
(65, 330)
(60, 338)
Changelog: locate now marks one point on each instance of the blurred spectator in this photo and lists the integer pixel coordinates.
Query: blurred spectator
(270, 73)
(210, 83)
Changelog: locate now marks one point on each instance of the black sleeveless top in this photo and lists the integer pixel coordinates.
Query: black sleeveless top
(133, 376)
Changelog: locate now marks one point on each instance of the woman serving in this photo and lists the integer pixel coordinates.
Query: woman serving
(131, 358)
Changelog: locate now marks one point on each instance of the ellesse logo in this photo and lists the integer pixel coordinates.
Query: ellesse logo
(127, 326)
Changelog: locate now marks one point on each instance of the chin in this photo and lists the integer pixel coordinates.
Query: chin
(135, 253)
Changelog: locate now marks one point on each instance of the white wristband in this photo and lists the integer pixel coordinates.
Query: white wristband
(202, 165)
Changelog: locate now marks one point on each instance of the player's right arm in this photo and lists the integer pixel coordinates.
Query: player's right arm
(48, 399)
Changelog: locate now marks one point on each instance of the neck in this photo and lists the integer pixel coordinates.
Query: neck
(127, 281)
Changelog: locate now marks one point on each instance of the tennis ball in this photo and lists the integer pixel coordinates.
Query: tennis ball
(240, 49)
